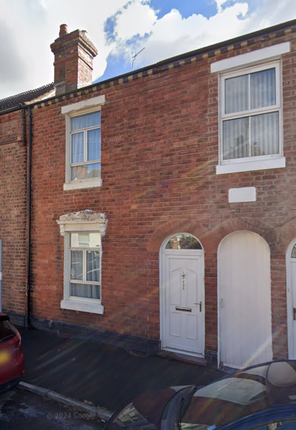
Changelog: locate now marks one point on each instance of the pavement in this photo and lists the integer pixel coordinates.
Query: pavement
(97, 375)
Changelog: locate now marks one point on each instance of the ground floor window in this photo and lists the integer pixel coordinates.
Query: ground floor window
(83, 233)
(85, 265)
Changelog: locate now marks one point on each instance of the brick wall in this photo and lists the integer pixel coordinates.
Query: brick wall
(159, 154)
(13, 211)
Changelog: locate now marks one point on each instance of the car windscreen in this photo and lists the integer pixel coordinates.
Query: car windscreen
(227, 400)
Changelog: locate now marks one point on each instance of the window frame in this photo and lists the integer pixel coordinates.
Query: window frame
(75, 110)
(74, 302)
(84, 249)
(81, 222)
(235, 65)
(84, 131)
(277, 107)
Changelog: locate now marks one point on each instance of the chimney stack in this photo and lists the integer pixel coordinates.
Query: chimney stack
(73, 63)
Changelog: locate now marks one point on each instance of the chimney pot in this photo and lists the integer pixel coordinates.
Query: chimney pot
(63, 29)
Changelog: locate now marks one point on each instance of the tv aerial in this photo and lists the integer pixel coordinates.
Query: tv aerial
(135, 56)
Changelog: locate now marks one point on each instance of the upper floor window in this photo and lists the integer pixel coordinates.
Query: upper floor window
(86, 146)
(250, 117)
(250, 110)
(83, 143)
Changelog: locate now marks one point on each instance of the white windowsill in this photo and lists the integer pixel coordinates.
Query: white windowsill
(82, 307)
(249, 166)
(80, 184)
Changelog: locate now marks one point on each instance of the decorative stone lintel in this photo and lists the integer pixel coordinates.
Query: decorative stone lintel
(86, 220)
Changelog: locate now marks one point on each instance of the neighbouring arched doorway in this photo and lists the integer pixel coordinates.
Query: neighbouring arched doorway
(182, 295)
(244, 300)
(291, 298)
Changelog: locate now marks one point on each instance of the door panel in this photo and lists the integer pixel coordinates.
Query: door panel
(191, 279)
(192, 327)
(245, 302)
(184, 315)
(175, 287)
(175, 325)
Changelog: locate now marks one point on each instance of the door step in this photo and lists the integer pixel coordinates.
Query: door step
(183, 357)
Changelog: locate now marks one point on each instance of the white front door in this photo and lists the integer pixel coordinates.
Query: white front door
(244, 300)
(291, 300)
(183, 316)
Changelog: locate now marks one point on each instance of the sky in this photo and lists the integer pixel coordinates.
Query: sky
(129, 34)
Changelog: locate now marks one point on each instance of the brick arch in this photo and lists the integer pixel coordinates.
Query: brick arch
(175, 226)
(213, 238)
(284, 235)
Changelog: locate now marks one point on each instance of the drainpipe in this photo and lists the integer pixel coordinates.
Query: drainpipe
(28, 315)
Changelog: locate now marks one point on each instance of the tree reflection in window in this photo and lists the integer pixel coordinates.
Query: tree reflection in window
(293, 253)
(183, 241)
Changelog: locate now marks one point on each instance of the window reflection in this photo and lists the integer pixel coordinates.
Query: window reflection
(183, 241)
(248, 392)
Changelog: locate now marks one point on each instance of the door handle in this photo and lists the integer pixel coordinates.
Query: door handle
(199, 304)
(294, 314)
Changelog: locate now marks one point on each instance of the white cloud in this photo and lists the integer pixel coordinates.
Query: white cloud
(136, 19)
(220, 3)
(28, 27)
(172, 34)
(132, 23)
(34, 24)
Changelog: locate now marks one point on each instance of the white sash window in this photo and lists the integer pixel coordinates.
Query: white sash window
(250, 120)
(83, 233)
(83, 143)
(250, 110)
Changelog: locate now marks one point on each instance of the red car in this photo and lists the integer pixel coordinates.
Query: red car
(12, 366)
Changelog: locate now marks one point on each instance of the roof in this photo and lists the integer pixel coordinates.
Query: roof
(26, 97)
(47, 92)
(201, 54)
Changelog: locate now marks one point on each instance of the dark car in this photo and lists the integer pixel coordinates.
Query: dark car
(12, 366)
(258, 397)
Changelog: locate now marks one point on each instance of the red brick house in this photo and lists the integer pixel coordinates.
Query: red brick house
(157, 209)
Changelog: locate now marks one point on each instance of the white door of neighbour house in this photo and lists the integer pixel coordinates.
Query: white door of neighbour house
(291, 299)
(182, 300)
(244, 300)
